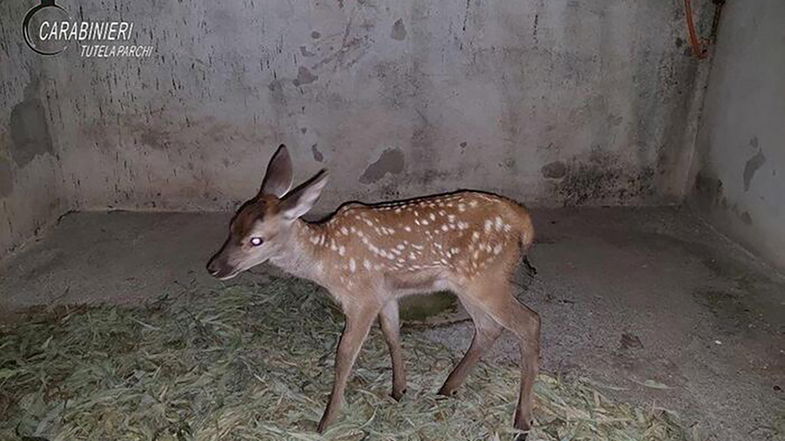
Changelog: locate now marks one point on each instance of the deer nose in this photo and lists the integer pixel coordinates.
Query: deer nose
(213, 267)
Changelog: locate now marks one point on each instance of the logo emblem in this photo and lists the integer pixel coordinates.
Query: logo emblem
(42, 45)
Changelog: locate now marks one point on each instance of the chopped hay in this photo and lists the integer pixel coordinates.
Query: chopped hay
(255, 363)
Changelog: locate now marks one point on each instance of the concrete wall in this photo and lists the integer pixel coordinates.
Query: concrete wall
(557, 102)
(560, 102)
(31, 191)
(740, 181)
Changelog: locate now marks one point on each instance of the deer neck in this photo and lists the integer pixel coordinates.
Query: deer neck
(299, 257)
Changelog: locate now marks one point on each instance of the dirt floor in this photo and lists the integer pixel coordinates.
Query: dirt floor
(650, 304)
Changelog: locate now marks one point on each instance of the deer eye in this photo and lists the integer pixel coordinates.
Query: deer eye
(256, 241)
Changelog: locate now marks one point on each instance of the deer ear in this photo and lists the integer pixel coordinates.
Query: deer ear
(278, 178)
(302, 198)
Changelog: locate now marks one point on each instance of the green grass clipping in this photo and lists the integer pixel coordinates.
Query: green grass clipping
(256, 363)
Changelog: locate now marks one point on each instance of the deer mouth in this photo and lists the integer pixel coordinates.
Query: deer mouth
(231, 275)
(223, 273)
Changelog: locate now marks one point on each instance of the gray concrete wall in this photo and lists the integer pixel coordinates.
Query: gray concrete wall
(562, 102)
(31, 191)
(740, 180)
(558, 102)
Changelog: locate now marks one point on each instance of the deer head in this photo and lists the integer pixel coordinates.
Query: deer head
(261, 228)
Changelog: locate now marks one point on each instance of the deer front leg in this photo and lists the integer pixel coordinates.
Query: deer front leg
(358, 323)
(390, 324)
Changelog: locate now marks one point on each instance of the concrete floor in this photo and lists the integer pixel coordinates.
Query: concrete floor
(649, 301)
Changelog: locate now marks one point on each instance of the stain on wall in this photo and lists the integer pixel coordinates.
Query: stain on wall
(391, 161)
(29, 127)
(520, 85)
(398, 30)
(708, 191)
(304, 76)
(554, 170)
(600, 176)
(751, 167)
(317, 155)
(32, 193)
(6, 177)
(739, 145)
(401, 100)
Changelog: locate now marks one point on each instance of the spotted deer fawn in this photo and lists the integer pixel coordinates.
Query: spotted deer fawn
(368, 256)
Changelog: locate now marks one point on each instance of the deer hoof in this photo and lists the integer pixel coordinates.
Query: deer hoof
(444, 391)
(323, 424)
(398, 395)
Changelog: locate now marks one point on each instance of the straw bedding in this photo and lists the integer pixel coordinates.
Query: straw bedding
(255, 363)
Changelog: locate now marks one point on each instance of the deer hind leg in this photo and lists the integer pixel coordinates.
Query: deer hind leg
(358, 323)
(486, 331)
(390, 324)
(498, 301)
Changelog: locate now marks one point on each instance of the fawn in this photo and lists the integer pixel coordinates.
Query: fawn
(368, 256)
